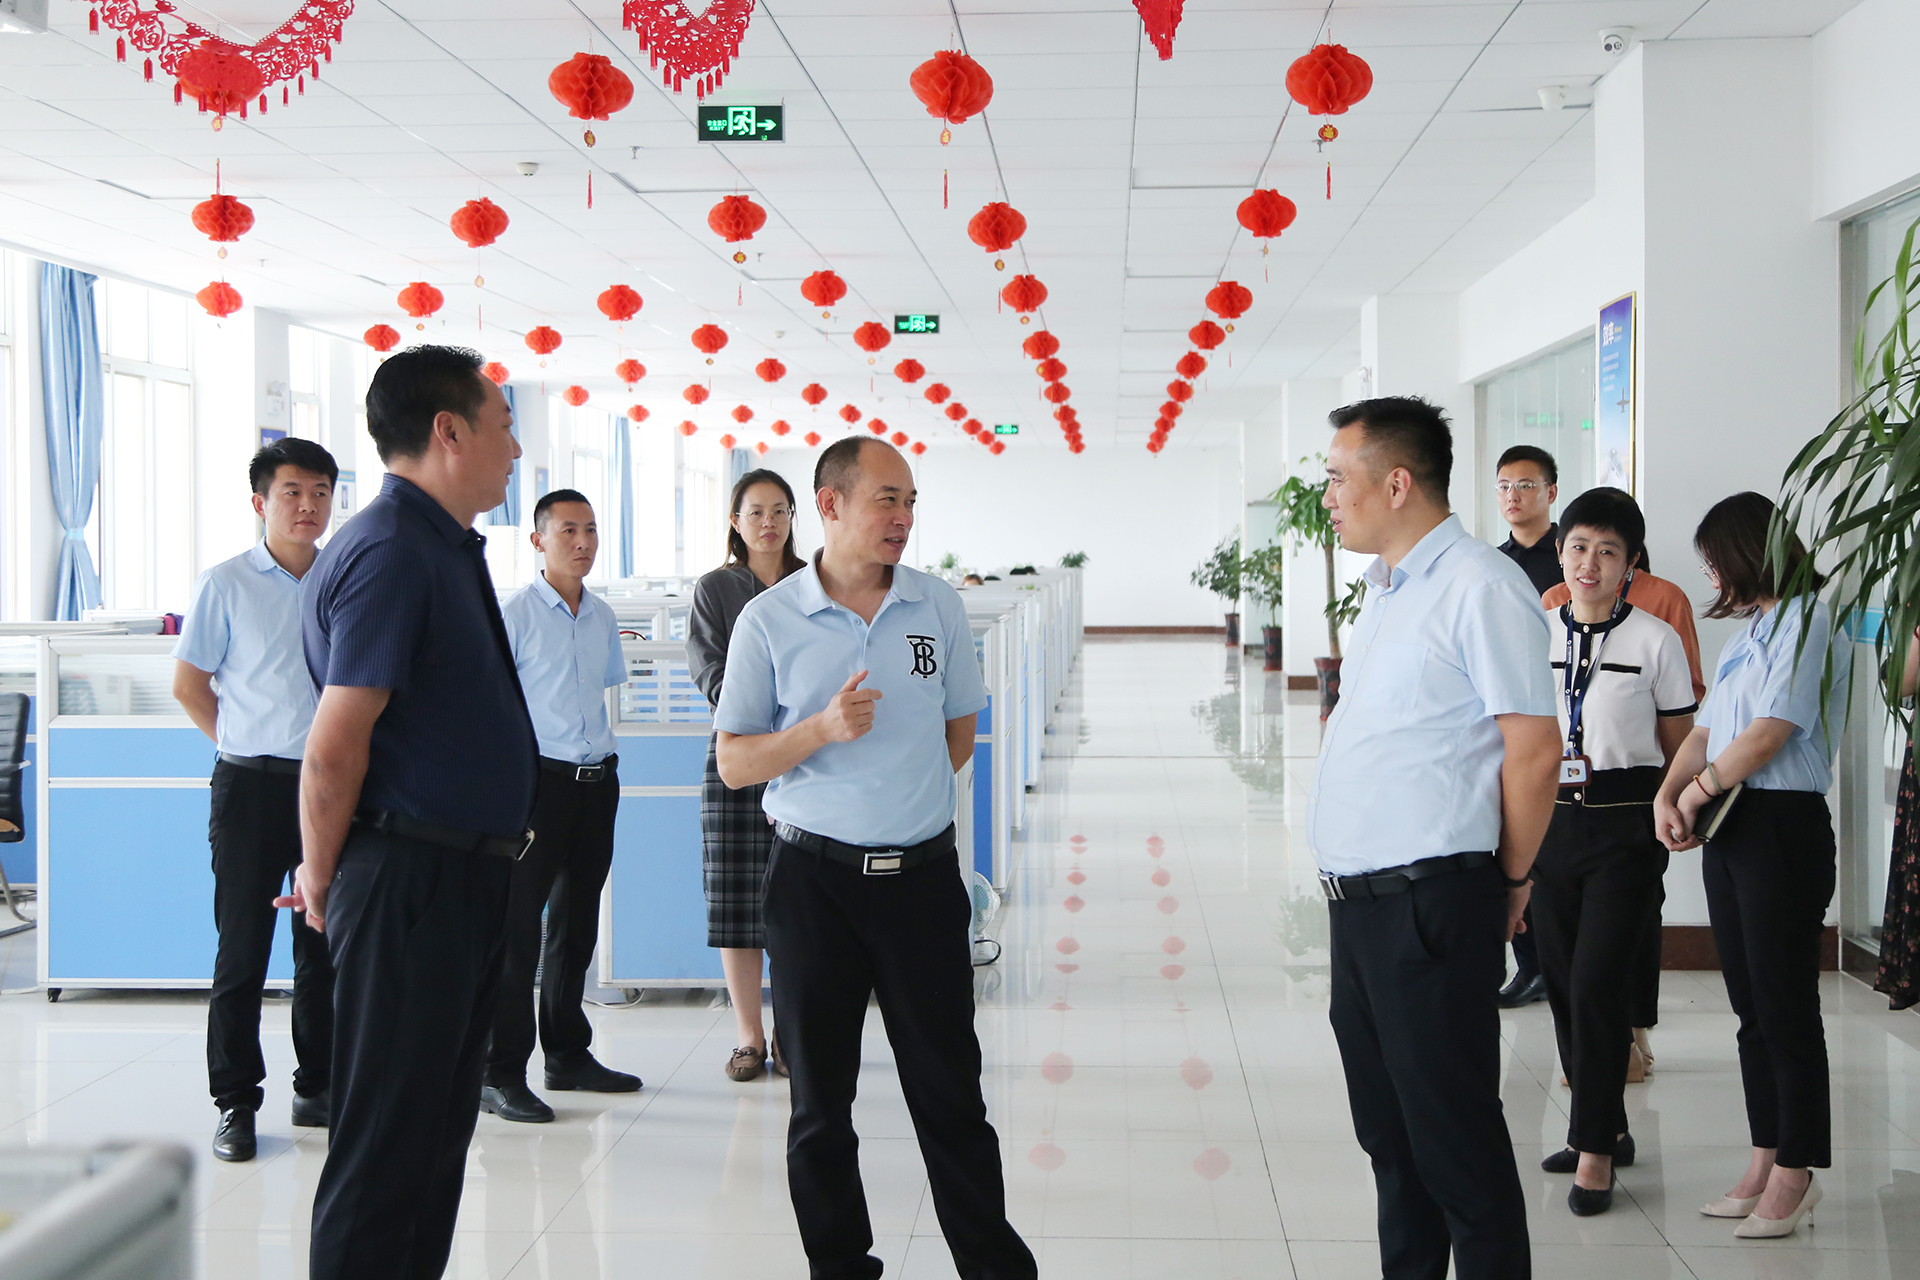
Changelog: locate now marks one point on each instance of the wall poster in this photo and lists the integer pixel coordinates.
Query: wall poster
(1614, 382)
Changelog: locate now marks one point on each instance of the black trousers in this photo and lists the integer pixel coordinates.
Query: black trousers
(1645, 1010)
(1596, 891)
(255, 834)
(1769, 876)
(837, 936)
(1415, 981)
(562, 874)
(416, 932)
(1526, 949)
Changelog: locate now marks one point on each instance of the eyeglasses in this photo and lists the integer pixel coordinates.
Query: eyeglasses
(779, 515)
(1515, 486)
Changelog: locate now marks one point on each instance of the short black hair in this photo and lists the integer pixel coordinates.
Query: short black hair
(1609, 510)
(1405, 431)
(553, 498)
(840, 463)
(1530, 453)
(408, 389)
(290, 451)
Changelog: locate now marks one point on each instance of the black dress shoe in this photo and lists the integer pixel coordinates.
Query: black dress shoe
(1569, 1160)
(233, 1139)
(1520, 993)
(1585, 1203)
(591, 1077)
(313, 1111)
(514, 1102)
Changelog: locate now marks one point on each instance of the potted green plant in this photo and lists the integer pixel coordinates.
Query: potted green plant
(1073, 560)
(1260, 578)
(1303, 520)
(1219, 573)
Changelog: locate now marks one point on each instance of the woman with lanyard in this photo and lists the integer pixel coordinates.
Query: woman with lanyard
(735, 835)
(1763, 752)
(1626, 706)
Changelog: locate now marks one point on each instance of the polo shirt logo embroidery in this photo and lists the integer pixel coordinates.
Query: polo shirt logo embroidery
(923, 663)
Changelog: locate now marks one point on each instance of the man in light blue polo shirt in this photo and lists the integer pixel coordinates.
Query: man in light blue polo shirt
(243, 629)
(852, 689)
(566, 647)
(1436, 781)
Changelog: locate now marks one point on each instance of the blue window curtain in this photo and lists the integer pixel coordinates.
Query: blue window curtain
(508, 512)
(70, 384)
(623, 470)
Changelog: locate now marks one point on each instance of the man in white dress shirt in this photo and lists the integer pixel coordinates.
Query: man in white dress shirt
(1436, 781)
(566, 645)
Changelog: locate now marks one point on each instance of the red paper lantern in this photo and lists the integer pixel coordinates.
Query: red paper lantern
(1057, 392)
(222, 218)
(1326, 80)
(575, 396)
(849, 414)
(780, 427)
(638, 412)
(1266, 213)
(219, 298)
(760, 447)
(1206, 335)
(1155, 444)
(421, 299)
(996, 448)
(695, 394)
(742, 414)
(996, 227)
(1229, 300)
(629, 371)
(478, 222)
(1066, 413)
(736, 218)
(619, 303)
(952, 86)
(590, 87)
(919, 447)
(984, 437)
(823, 288)
(708, 339)
(937, 393)
(543, 340)
(1024, 293)
(770, 370)
(1040, 345)
(813, 393)
(382, 338)
(812, 438)
(871, 336)
(1191, 365)
(726, 442)
(909, 370)
(973, 426)
(496, 372)
(687, 428)
(1170, 409)
(1052, 370)
(1180, 391)
(1075, 446)
(955, 411)
(899, 438)
(876, 426)
(218, 81)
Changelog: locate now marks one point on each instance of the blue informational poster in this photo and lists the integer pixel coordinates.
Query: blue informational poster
(1615, 389)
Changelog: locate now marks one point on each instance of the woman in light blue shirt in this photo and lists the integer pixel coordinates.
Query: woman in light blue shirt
(1768, 729)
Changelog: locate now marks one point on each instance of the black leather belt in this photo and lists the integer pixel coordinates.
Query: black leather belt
(1391, 880)
(869, 859)
(598, 772)
(387, 822)
(264, 764)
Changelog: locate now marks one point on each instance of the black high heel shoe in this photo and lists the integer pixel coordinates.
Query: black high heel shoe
(1569, 1160)
(1586, 1204)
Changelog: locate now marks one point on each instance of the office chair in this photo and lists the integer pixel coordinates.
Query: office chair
(13, 751)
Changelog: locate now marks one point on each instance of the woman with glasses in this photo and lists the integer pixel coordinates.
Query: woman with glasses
(735, 835)
(1769, 729)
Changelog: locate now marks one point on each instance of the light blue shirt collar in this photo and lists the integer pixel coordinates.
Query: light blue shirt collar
(262, 559)
(813, 597)
(552, 598)
(1420, 559)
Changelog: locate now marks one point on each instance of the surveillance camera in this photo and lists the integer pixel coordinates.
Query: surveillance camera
(527, 168)
(1614, 40)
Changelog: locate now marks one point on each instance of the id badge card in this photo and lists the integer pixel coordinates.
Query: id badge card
(1574, 770)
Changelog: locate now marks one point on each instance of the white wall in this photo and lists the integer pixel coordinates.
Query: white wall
(1865, 145)
(1535, 301)
(1411, 345)
(225, 434)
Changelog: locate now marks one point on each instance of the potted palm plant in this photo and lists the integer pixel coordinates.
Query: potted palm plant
(1305, 522)
(1219, 573)
(1260, 578)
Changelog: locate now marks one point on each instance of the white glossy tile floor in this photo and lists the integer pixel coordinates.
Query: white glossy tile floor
(1159, 1066)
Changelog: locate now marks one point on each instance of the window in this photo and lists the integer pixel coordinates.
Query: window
(141, 531)
(306, 382)
(704, 532)
(15, 502)
(654, 527)
(1547, 402)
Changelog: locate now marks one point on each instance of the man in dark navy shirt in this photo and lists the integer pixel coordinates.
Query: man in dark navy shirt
(414, 797)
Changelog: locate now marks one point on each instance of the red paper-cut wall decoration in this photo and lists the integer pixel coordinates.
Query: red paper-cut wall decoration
(219, 76)
(698, 47)
(1161, 19)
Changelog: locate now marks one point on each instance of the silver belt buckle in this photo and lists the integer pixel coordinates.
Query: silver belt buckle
(523, 848)
(1330, 885)
(886, 862)
(589, 772)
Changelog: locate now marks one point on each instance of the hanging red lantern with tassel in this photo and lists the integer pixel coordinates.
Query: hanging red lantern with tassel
(919, 447)
(222, 219)
(937, 393)
(421, 300)
(1169, 409)
(575, 396)
(779, 427)
(899, 438)
(849, 414)
(1265, 214)
(629, 371)
(708, 339)
(1191, 365)
(1057, 392)
(688, 428)
(1051, 370)
(952, 87)
(909, 370)
(770, 370)
(695, 394)
(382, 338)
(1024, 294)
(543, 340)
(1041, 344)
(700, 49)
(736, 218)
(726, 441)
(619, 303)
(496, 373)
(478, 223)
(742, 414)
(876, 426)
(1180, 391)
(1327, 80)
(871, 337)
(955, 411)
(219, 299)
(638, 413)
(812, 438)
(813, 393)
(1229, 300)
(996, 227)
(823, 289)
(1206, 335)
(973, 426)
(997, 448)
(590, 87)
(760, 447)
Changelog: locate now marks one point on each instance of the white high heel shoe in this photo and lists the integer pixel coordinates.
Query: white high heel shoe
(1730, 1207)
(1759, 1228)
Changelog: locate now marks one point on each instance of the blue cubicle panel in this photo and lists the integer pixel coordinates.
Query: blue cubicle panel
(116, 751)
(657, 910)
(983, 792)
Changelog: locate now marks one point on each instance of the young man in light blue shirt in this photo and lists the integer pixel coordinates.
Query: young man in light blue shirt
(852, 689)
(1435, 785)
(243, 629)
(566, 647)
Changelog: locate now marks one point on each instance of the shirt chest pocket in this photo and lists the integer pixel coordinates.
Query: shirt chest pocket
(1391, 676)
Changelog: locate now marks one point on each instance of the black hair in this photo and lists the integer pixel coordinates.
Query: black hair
(737, 545)
(1609, 510)
(1732, 539)
(551, 499)
(410, 388)
(1530, 453)
(1404, 431)
(840, 463)
(290, 451)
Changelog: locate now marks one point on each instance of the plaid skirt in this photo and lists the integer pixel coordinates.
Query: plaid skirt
(735, 842)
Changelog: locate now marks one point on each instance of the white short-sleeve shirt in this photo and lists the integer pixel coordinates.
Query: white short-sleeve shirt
(1643, 675)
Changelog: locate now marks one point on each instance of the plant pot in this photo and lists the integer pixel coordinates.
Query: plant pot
(1270, 648)
(1326, 671)
(1233, 631)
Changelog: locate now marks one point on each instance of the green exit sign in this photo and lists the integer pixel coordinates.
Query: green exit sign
(1006, 428)
(916, 324)
(739, 124)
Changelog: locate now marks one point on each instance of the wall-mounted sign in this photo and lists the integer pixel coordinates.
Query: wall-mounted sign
(916, 324)
(739, 124)
(1614, 414)
(1006, 428)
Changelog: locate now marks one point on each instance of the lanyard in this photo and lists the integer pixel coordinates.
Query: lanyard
(1577, 686)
